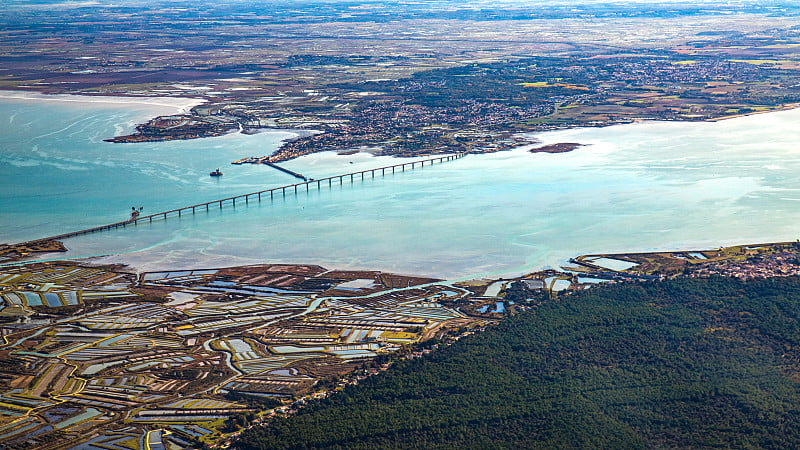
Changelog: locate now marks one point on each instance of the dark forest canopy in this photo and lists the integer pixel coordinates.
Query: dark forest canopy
(680, 363)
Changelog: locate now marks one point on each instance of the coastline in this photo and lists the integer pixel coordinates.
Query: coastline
(160, 106)
(179, 105)
(144, 262)
(545, 256)
(184, 105)
(786, 107)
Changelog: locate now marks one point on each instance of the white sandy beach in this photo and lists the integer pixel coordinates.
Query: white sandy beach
(166, 105)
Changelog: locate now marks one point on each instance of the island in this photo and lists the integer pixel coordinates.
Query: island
(417, 79)
(561, 147)
(682, 348)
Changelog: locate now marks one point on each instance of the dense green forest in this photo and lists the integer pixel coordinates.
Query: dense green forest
(679, 363)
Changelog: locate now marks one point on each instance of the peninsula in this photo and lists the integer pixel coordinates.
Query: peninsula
(451, 82)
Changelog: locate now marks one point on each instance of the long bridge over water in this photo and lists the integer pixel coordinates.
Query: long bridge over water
(258, 195)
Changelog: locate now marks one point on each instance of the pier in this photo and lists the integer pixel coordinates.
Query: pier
(285, 170)
(306, 185)
(265, 160)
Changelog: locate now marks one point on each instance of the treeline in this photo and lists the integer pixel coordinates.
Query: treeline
(678, 363)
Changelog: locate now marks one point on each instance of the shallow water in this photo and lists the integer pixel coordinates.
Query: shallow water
(639, 187)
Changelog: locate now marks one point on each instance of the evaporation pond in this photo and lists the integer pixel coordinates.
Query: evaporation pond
(613, 264)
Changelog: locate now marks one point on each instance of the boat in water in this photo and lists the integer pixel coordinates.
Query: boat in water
(216, 173)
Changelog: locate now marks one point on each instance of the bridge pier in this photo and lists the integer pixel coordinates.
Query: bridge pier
(220, 203)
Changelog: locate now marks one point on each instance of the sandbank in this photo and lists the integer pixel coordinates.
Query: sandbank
(172, 105)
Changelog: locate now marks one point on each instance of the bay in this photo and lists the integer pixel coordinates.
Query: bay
(638, 187)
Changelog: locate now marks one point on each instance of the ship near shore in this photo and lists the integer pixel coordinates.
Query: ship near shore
(495, 213)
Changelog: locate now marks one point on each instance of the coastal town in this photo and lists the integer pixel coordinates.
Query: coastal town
(199, 341)
(437, 112)
(403, 87)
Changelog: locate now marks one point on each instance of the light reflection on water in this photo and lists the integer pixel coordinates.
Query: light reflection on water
(634, 187)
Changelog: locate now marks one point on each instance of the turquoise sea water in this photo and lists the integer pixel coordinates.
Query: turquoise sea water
(635, 187)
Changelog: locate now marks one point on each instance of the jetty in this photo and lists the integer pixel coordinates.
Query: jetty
(265, 160)
(285, 170)
(306, 185)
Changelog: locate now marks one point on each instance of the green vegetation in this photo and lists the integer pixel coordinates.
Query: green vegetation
(237, 422)
(253, 401)
(680, 363)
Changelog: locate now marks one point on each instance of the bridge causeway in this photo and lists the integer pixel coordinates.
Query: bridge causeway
(257, 196)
